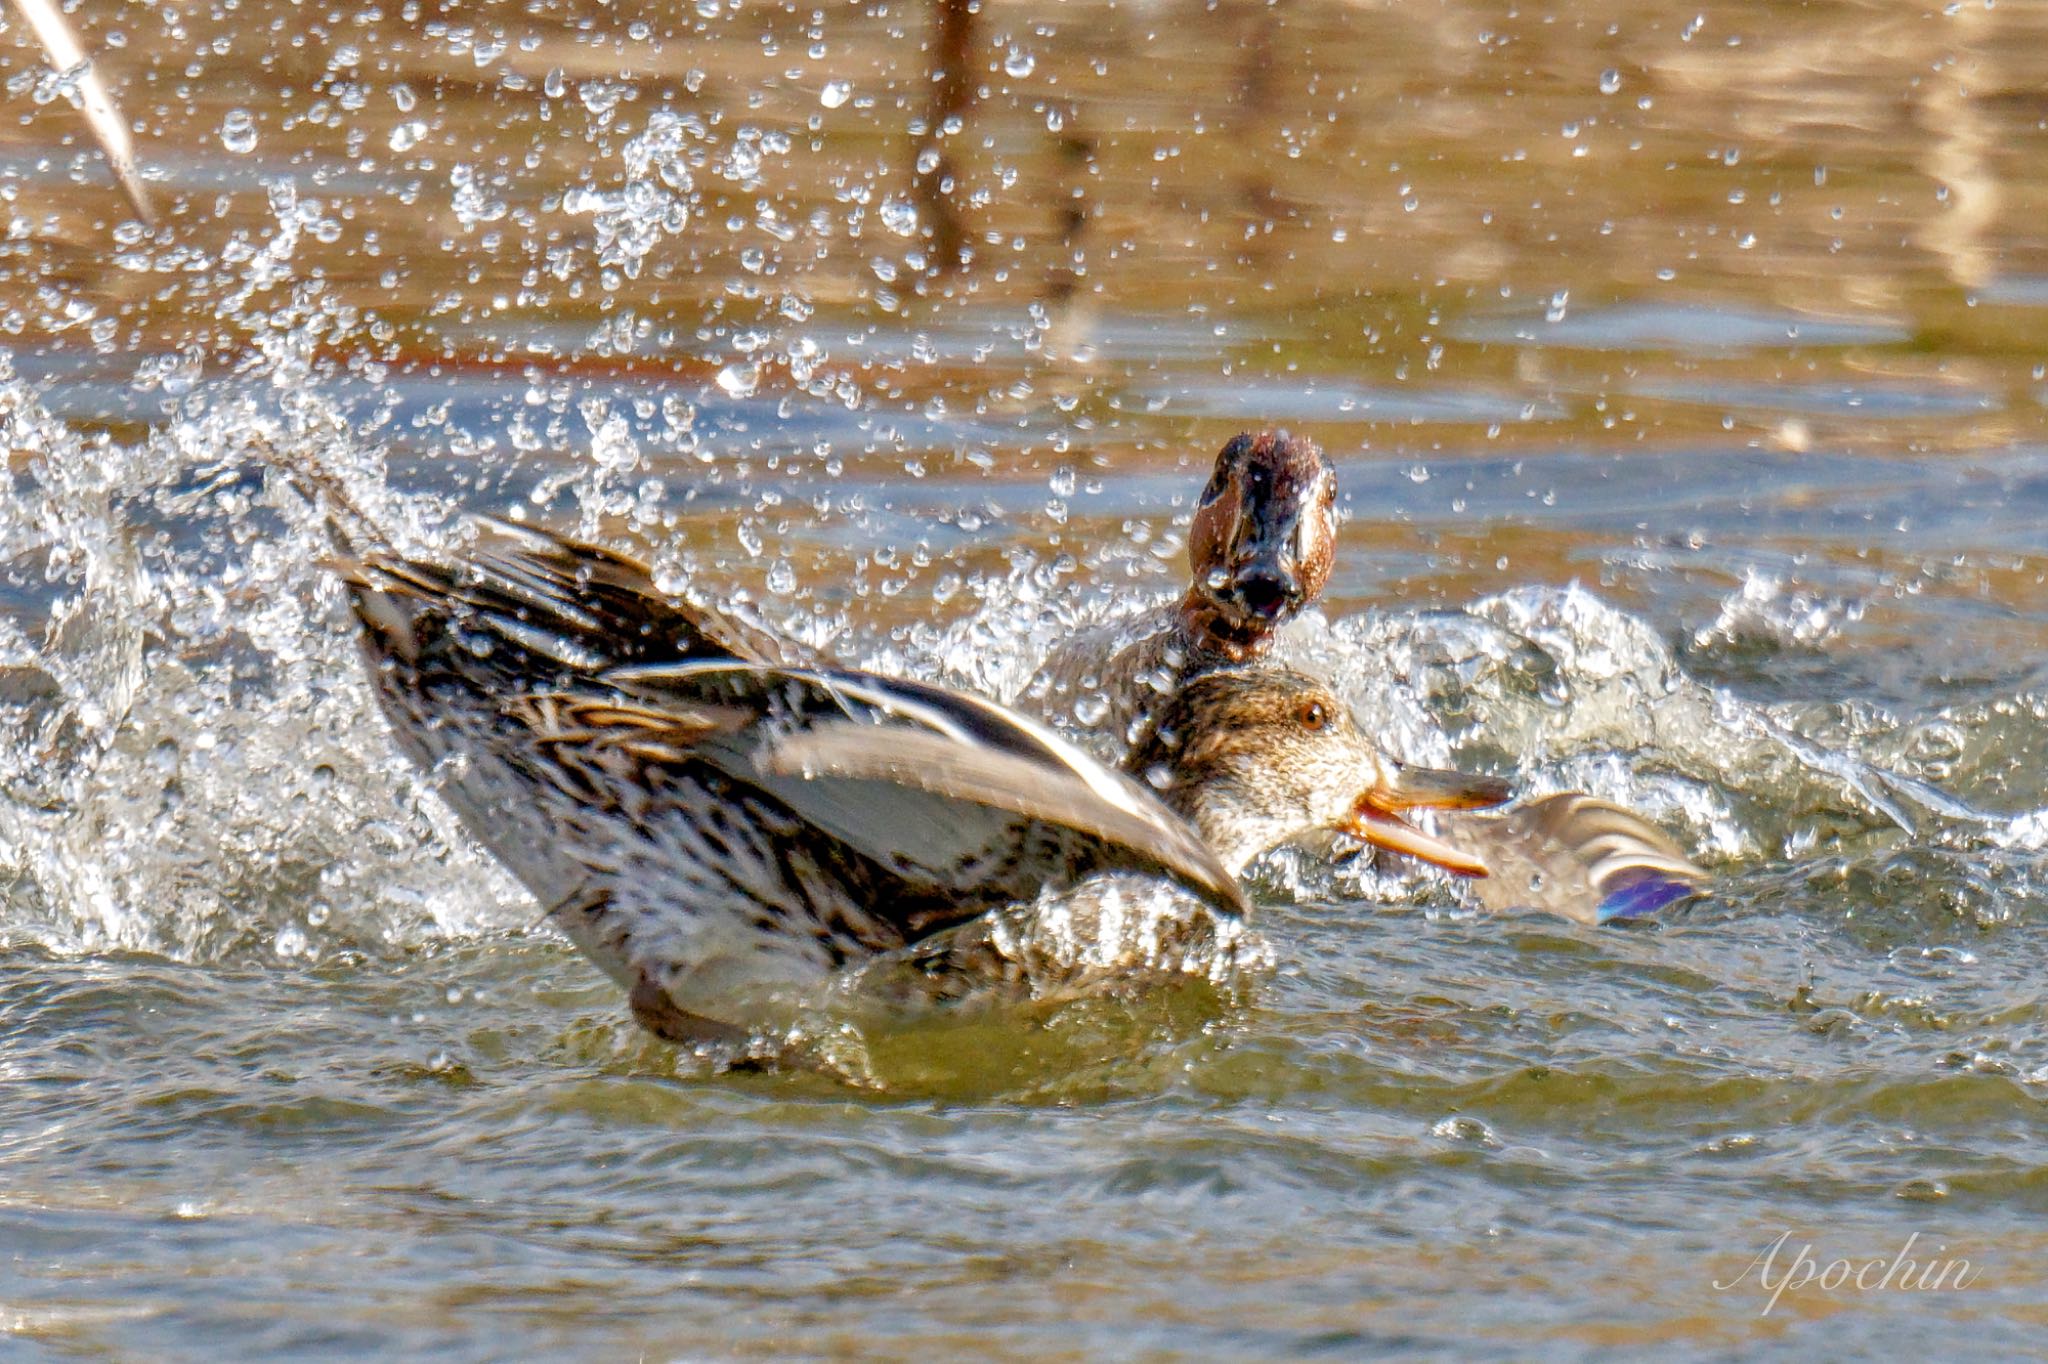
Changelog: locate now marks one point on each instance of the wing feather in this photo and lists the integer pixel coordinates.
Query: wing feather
(1581, 857)
(615, 679)
(920, 777)
(853, 779)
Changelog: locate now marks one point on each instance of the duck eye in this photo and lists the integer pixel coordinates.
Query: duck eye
(1313, 715)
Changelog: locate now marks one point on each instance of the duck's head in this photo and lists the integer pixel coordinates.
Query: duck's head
(1263, 539)
(1256, 757)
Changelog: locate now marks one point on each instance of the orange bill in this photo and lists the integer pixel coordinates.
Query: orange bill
(1378, 821)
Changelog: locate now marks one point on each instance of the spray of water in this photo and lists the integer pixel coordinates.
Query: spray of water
(191, 762)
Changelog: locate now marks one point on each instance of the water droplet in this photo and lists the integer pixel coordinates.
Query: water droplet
(835, 94)
(1610, 81)
(1062, 481)
(1465, 1129)
(899, 215)
(1019, 63)
(600, 98)
(238, 131)
(739, 380)
(408, 135)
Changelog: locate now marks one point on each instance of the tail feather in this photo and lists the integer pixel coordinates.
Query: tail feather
(505, 614)
(387, 624)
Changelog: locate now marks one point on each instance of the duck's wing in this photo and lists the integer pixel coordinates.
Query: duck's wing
(1582, 858)
(573, 645)
(940, 787)
(554, 602)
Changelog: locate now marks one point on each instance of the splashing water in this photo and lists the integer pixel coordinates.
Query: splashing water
(193, 763)
(654, 202)
(196, 767)
(1642, 503)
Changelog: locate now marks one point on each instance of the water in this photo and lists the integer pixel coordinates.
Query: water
(1684, 374)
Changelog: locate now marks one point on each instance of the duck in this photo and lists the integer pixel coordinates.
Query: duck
(1260, 549)
(1576, 857)
(724, 831)
(1568, 854)
(1210, 752)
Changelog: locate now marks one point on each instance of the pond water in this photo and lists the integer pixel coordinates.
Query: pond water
(1684, 371)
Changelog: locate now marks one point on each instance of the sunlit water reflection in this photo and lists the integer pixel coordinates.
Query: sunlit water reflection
(1684, 377)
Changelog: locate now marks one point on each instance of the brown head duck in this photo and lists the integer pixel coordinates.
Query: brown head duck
(1260, 549)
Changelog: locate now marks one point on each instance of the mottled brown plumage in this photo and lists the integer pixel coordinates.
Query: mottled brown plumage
(1260, 549)
(1261, 546)
(1262, 748)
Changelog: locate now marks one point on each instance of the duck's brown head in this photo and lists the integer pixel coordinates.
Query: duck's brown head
(1264, 537)
(1257, 756)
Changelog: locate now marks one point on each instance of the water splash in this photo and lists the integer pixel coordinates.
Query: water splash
(652, 204)
(193, 761)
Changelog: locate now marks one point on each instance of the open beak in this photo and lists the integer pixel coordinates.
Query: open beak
(1377, 818)
(1264, 582)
